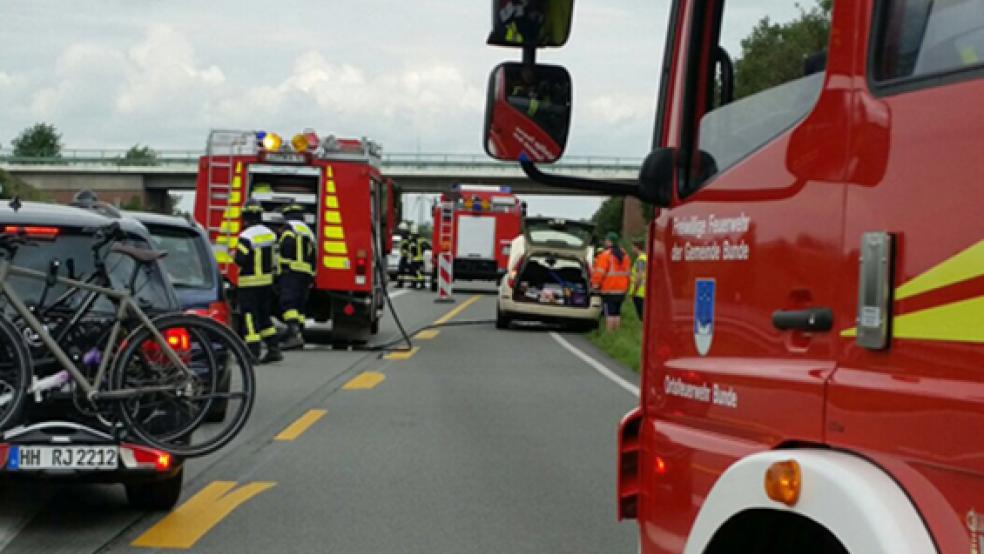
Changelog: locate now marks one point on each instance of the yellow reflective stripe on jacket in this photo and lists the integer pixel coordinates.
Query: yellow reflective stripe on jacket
(248, 281)
(638, 276)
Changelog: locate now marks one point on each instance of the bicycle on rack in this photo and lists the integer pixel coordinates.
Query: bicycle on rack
(155, 378)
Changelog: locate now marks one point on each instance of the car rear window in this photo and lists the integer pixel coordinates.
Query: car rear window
(74, 253)
(558, 233)
(188, 263)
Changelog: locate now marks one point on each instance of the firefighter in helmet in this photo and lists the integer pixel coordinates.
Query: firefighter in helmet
(416, 252)
(256, 258)
(297, 259)
(403, 274)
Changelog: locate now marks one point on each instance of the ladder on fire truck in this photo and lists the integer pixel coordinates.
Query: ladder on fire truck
(225, 188)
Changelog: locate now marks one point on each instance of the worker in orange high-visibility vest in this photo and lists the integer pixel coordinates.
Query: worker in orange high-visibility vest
(610, 276)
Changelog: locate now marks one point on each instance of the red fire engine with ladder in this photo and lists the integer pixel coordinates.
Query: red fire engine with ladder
(347, 202)
(476, 225)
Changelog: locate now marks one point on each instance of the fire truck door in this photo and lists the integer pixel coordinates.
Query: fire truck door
(918, 398)
(744, 281)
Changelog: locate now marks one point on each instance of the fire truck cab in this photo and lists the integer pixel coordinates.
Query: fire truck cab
(347, 203)
(813, 354)
(476, 224)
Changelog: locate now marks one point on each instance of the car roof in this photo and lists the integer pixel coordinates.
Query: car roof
(40, 213)
(60, 215)
(148, 218)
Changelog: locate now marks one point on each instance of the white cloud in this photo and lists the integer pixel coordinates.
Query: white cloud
(616, 109)
(163, 70)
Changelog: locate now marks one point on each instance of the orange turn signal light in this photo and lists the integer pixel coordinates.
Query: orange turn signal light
(783, 481)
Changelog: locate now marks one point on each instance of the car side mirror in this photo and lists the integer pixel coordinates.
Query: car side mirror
(534, 23)
(528, 112)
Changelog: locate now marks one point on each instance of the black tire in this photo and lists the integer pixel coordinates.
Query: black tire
(146, 415)
(502, 321)
(15, 374)
(158, 496)
(217, 413)
(374, 327)
(317, 336)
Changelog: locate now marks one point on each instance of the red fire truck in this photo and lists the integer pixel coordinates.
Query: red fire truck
(477, 225)
(348, 204)
(813, 360)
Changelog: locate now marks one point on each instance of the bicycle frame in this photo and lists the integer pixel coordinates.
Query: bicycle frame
(125, 306)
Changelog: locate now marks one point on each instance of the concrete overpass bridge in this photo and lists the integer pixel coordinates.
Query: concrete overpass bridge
(118, 180)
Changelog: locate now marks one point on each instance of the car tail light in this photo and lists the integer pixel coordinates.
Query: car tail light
(34, 232)
(177, 338)
(219, 311)
(4, 452)
(142, 457)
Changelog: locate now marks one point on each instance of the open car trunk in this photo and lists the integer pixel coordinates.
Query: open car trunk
(553, 279)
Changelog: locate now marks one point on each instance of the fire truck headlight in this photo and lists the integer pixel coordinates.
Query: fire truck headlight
(272, 141)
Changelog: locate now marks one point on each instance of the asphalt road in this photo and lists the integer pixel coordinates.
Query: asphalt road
(480, 441)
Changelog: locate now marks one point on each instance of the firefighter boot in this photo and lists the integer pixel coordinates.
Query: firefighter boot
(293, 338)
(273, 351)
(254, 351)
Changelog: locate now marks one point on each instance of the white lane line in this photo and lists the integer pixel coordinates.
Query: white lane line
(598, 366)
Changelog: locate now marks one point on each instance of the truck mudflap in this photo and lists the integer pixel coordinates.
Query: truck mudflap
(628, 465)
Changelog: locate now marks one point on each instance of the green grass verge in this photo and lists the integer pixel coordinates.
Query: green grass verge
(624, 345)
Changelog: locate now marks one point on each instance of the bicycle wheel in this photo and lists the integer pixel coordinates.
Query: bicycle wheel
(165, 404)
(15, 374)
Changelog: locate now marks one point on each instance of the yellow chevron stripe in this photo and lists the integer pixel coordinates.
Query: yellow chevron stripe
(335, 247)
(329, 172)
(336, 262)
(331, 202)
(334, 232)
(332, 216)
(961, 321)
(965, 265)
(237, 182)
(239, 167)
(235, 197)
(331, 187)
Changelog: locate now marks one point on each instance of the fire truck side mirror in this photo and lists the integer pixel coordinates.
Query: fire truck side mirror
(656, 177)
(518, 23)
(528, 112)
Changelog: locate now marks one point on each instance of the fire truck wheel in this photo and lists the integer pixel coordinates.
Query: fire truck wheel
(374, 327)
(317, 336)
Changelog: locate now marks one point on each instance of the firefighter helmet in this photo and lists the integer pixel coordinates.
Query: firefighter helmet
(252, 213)
(293, 212)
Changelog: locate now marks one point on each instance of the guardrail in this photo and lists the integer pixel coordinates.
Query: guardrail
(117, 157)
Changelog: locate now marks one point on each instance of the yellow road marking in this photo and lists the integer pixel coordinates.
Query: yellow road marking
(448, 316)
(426, 334)
(366, 380)
(405, 355)
(297, 428)
(183, 527)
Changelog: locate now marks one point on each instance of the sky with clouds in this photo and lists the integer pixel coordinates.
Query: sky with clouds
(409, 74)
